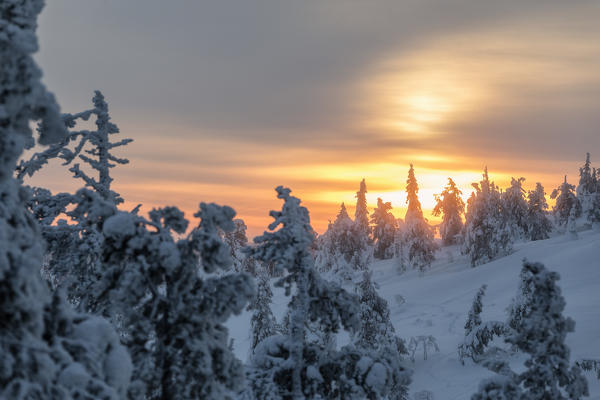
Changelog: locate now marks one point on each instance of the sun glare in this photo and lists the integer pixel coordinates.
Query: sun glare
(420, 93)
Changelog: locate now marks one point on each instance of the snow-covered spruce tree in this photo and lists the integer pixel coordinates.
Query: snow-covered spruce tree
(515, 209)
(520, 304)
(477, 333)
(418, 243)
(325, 257)
(237, 240)
(361, 213)
(362, 248)
(171, 305)
(540, 333)
(296, 367)
(73, 252)
(263, 323)
(572, 225)
(378, 336)
(98, 156)
(384, 230)
(565, 201)
(538, 224)
(376, 327)
(413, 211)
(586, 190)
(451, 206)
(342, 249)
(46, 350)
(289, 249)
(486, 233)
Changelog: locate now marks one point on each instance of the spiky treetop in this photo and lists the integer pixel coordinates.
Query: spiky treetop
(343, 214)
(587, 177)
(414, 211)
(361, 214)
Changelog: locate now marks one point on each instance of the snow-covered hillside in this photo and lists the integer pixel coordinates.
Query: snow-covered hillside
(437, 303)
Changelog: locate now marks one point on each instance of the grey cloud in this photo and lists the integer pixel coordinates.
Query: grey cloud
(278, 71)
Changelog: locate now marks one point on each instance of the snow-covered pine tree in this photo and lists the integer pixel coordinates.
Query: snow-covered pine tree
(540, 333)
(384, 230)
(73, 251)
(47, 351)
(538, 224)
(486, 233)
(515, 209)
(289, 249)
(565, 201)
(586, 190)
(289, 362)
(477, 333)
(418, 243)
(171, 306)
(263, 323)
(451, 206)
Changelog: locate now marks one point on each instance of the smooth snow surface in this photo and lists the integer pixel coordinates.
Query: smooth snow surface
(437, 303)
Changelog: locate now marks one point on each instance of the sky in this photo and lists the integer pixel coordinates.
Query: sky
(226, 100)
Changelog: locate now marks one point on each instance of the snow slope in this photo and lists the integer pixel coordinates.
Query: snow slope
(437, 303)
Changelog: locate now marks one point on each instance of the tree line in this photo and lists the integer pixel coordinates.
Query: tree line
(485, 227)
